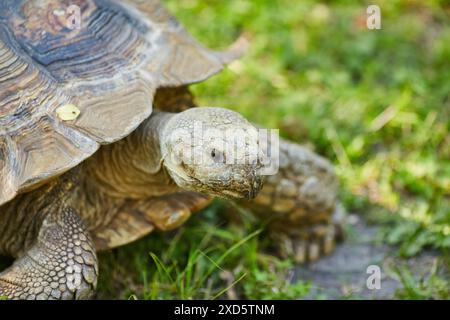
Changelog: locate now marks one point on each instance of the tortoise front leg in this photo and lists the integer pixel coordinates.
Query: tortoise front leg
(61, 265)
(299, 202)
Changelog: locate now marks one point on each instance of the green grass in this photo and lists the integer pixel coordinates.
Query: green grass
(431, 285)
(374, 102)
(202, 260)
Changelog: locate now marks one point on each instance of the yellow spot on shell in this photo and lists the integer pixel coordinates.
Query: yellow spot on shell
(59, 12)
(68, 112)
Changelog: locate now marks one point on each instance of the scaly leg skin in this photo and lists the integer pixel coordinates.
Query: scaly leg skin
(61, 265)
(300, 204)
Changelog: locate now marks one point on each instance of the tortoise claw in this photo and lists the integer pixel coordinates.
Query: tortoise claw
(308, 245)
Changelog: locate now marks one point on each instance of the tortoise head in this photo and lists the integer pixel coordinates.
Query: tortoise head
(213, 151)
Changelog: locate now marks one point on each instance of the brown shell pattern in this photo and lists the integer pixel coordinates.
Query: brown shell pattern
(105, 61)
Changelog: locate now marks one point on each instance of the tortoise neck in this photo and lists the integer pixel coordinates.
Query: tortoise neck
(132, 167)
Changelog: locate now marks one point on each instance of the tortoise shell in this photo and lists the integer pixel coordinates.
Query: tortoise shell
(75, 74)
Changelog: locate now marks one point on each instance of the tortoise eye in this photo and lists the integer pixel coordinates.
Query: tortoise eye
(217, 156)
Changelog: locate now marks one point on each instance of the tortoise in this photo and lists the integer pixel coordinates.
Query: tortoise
(88, 161)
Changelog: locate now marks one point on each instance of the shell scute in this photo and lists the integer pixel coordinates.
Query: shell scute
(109, 67)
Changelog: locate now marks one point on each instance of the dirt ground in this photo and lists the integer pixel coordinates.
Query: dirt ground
(343, 274)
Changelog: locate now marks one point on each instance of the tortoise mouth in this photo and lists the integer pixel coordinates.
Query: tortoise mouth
(246, 187)
(249, 193)
(233, 194)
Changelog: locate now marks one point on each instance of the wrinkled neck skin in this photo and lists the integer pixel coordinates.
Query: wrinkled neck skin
(133, 167)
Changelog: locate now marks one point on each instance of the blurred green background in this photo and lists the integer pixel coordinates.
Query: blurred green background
(375, 102)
